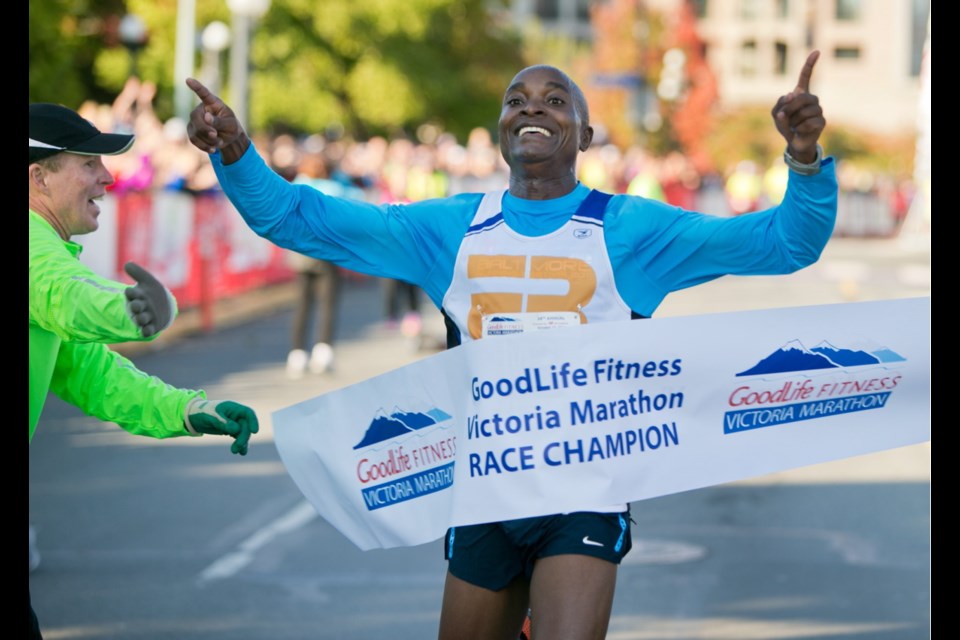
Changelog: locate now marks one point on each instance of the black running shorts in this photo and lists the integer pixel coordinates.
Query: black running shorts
(492, 555)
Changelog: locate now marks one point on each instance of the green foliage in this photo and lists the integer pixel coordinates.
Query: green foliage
(744, 134)
(662, 141)
(892, 155)
(65, 37)
(372, 66)
(379, 66)
(554, 48)
(749, 134)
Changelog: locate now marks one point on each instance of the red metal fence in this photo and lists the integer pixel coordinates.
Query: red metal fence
(198, 246)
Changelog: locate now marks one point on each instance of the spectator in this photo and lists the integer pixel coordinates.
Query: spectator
(744, 188)
(318, 281)
(75, 314)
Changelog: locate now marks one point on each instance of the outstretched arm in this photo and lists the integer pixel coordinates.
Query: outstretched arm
(226, 418)
(149, 303)
(108, 386)
(799, 117)
(214, 126)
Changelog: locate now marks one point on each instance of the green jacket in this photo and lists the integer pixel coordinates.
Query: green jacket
(74, 316)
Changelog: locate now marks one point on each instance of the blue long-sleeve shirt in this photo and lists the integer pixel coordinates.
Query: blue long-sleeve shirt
(655, 248)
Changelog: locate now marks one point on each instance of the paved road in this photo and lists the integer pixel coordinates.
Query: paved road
(178, 539)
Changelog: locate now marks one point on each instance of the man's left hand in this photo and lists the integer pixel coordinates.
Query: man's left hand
(799, 117)
(149, 303)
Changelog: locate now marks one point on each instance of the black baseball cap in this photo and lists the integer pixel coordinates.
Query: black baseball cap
(55, 129)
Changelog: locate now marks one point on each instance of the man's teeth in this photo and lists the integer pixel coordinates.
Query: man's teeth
(540, 130)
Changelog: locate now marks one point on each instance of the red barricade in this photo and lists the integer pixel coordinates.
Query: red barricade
(197, 245)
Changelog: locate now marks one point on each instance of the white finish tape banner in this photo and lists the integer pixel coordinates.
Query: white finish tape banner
(580, 418)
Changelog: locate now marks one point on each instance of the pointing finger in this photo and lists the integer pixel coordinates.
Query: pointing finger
(803, 84)
(205, 95)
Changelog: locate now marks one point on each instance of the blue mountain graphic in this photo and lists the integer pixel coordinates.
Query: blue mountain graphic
(502, 319)
(439, 415)
(845, 357)
(399, 423)
(888, 355)
(793, 356)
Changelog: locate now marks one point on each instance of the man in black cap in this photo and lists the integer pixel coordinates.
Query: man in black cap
(75, 314)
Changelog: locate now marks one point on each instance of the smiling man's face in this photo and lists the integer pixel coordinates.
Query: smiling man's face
(70, 193)
(543, 121)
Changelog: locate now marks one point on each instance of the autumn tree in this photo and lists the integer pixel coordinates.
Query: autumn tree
(691, 117)
(634, 50)
(617, 68)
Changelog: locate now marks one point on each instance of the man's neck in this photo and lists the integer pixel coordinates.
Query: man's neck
(541, 188)
(41, 210)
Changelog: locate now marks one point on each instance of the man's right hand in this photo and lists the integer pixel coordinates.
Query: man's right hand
(214, 126)
(225, 418)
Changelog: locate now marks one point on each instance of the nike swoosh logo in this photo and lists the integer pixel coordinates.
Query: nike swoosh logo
(593, 543)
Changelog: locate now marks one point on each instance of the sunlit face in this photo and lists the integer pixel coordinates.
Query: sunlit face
(73, 190)
(540, 120)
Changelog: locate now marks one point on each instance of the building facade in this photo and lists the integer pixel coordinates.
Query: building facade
(868, 75)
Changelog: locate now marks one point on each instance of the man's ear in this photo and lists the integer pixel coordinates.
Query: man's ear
(38, 176)
(586, 137)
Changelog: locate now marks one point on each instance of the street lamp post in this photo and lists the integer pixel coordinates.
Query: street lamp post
(245, 12)
(183, 98)
(214, 38)
(133, 36)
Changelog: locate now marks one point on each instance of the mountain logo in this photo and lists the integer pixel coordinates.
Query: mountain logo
(399, 423)
(794, 356)
(405, 468)
(794, 384)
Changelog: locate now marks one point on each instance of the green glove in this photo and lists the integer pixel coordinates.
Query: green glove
(149, 303)
(224, 418)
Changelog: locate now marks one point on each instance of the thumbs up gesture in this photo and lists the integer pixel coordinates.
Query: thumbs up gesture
(149, 303)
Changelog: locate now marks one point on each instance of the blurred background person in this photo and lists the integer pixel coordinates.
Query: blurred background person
(743, 188)
(318, 281)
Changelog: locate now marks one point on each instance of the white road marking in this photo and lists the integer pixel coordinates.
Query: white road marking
(234, 561)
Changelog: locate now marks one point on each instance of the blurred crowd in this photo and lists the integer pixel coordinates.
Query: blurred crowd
(435, 164)
(161, 157)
